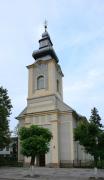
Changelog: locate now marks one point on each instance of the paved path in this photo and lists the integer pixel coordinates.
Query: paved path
(9, 173)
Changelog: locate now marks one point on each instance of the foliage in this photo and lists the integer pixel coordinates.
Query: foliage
(5, 111)
(95, 118)
(91, 136)
(34, 141)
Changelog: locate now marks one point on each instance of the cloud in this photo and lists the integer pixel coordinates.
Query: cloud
(84, 83)
(84, 89)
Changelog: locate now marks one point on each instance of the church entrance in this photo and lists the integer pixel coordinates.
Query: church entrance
(42, 160)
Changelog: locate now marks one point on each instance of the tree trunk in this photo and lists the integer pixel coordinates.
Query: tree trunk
(95, 167)
(32, 160)
(95, 161)
(32, 166)
(37, 161)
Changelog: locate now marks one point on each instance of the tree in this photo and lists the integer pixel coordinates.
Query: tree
(5, 111)
(91, 136)
(34, 141)
(95, 118)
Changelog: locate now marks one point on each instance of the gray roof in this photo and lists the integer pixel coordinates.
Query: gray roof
(22, 113)
(45, 51)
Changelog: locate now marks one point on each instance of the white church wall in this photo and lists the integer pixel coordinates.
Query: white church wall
(65, 139)
(58, 77)
(41, 104)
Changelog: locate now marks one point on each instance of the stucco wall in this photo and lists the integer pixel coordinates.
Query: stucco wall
(65, 138)
(51, 73)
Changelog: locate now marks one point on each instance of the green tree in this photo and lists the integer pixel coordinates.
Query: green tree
(91, 136)
(5, 111)
(34, 141)
(95, 118)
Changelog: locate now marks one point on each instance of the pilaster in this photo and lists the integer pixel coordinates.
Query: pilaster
(55, 151)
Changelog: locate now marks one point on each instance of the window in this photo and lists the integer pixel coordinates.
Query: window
(40, 82)
(57, 85)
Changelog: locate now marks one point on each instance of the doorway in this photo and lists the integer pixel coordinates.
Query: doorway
(42, 160)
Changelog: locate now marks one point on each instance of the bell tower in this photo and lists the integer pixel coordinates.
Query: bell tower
(45, 75)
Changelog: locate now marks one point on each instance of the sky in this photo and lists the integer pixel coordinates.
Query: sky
(76, 28)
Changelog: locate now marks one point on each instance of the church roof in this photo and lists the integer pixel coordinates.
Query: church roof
(22, 113)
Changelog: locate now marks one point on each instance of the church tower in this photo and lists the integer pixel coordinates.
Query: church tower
(45, 75)
(45, 106)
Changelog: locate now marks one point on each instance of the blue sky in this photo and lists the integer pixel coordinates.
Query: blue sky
(76, 28)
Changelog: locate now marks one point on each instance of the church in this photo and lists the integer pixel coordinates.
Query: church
(45, 107)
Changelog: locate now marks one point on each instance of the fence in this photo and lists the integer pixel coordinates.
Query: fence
(12, 161)
(87, 164)
(9, 161)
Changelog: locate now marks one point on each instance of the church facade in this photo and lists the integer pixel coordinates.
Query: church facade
(45, 107)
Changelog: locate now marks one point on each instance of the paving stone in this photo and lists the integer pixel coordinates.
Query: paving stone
(12, 173)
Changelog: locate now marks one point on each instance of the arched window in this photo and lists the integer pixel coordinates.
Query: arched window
(40, 82)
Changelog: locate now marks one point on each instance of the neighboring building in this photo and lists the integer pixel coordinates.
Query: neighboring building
(11, 150)
(45, 107)
(5, 151)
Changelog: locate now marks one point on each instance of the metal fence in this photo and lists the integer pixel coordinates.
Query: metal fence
(87, 164)
(9, 161)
